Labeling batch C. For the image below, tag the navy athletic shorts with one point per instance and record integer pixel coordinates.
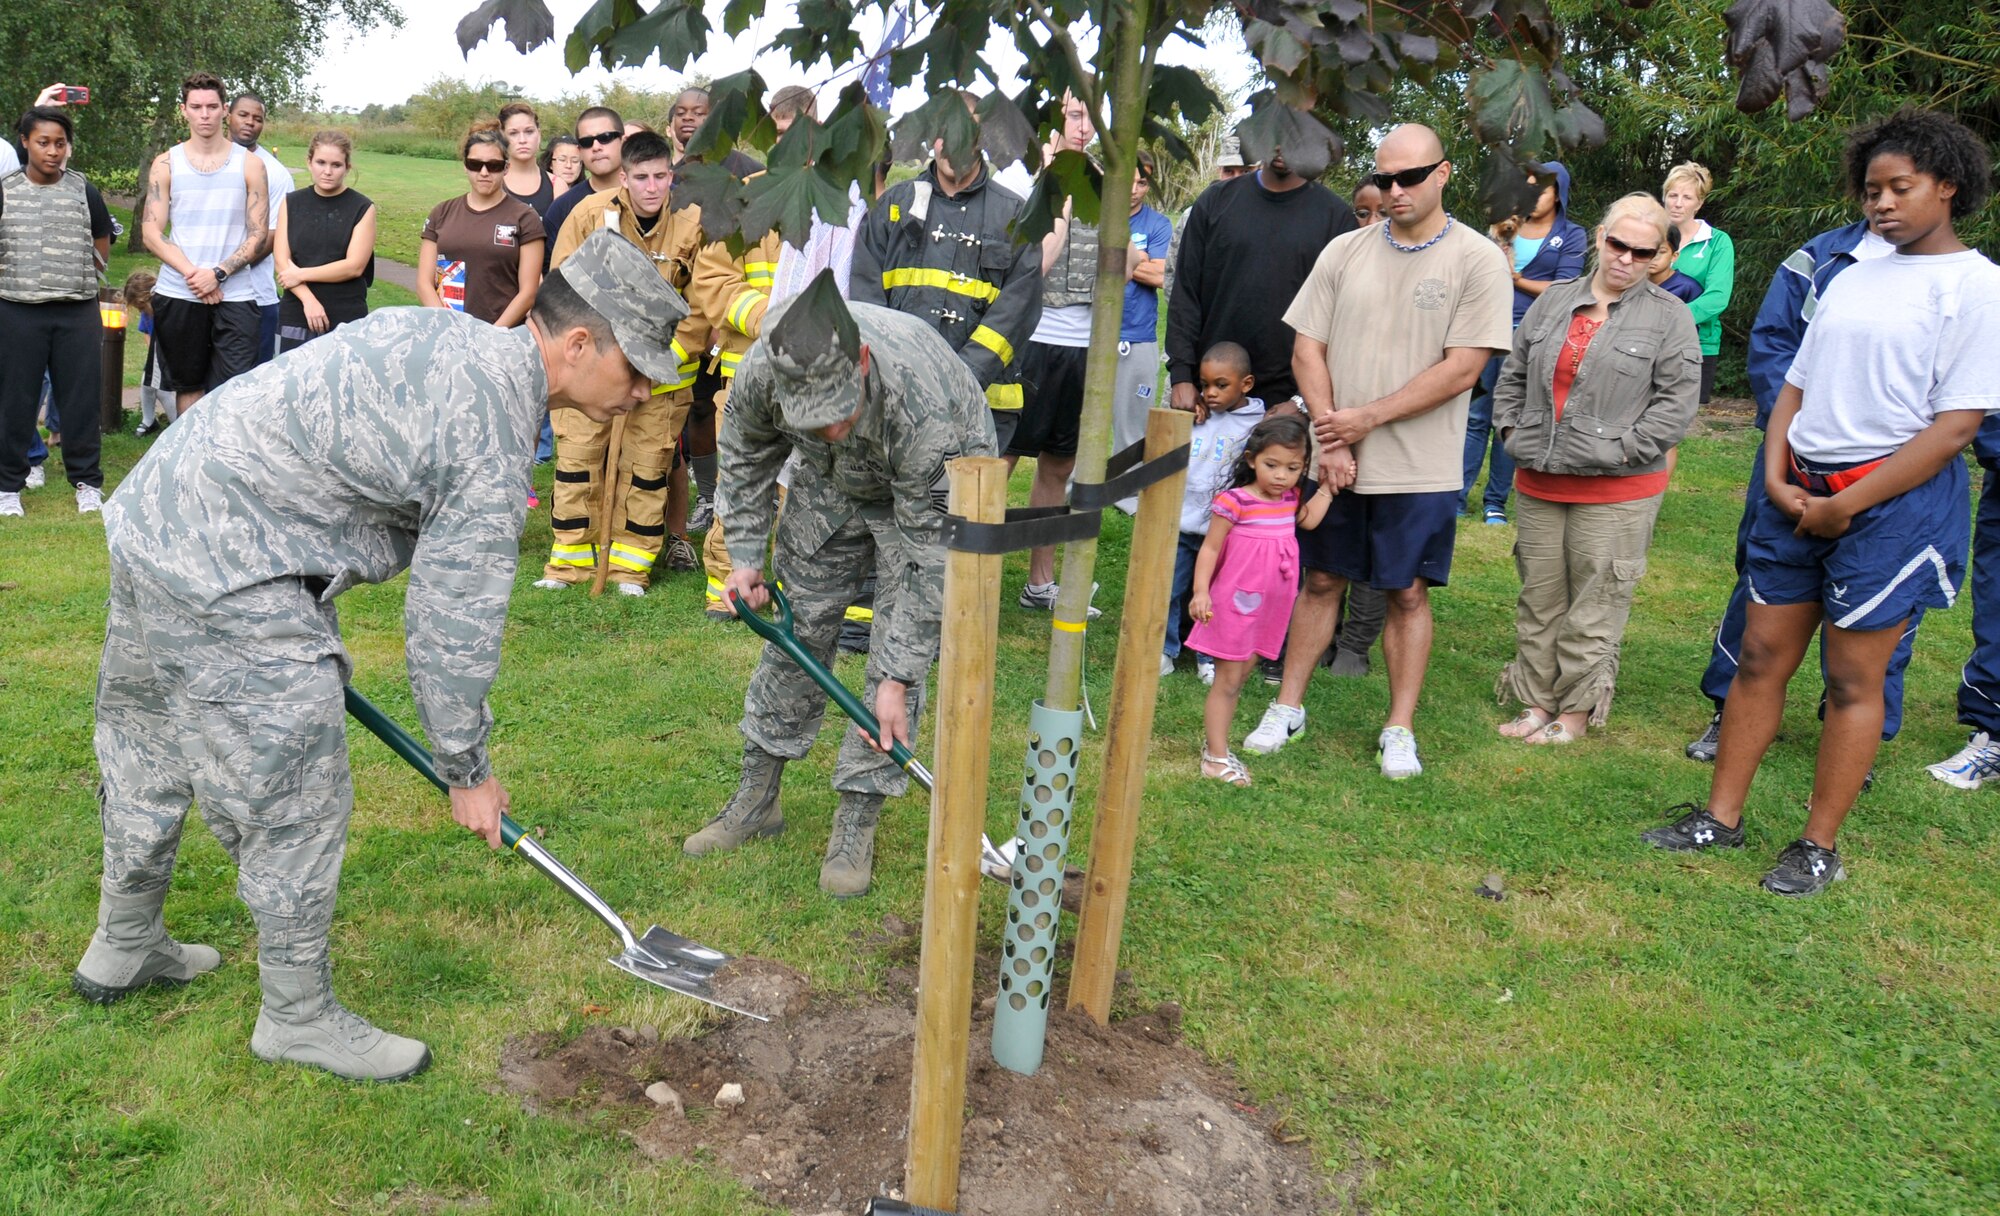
(1387, 541)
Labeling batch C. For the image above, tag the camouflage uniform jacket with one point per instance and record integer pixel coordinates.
(920, 409)
(401, 441)
(953, 263)
(672, 244)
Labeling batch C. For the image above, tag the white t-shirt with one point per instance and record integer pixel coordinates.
(264, 274)
(8, 160)
(1895, 342)
(1065, 326)
(1872, 246)
(1213, 448)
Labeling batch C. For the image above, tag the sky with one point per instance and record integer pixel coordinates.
(387, 65)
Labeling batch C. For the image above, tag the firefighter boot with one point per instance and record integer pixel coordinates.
(850, 850)
(751, 812)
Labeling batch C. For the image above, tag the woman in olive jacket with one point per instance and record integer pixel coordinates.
(1600, 386)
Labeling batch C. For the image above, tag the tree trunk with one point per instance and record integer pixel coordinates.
(1127, 91)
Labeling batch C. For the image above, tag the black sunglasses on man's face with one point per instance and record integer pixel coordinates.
(602, 137)
(1408, 179)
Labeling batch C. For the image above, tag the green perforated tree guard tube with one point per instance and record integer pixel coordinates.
(1028, 955)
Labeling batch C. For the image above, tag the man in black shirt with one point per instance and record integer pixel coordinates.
(600, 141)
(1248, 244)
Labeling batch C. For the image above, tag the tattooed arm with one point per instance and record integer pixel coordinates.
(256, 217)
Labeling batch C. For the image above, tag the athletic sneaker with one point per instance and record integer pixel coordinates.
(89, 500)
(1204, 667)
(1978, 761)
(551, 584)
(632, 589)
(1273, 671)
(679, 554)
(1703, 749)
(1166, 665)
(701, 514)
(1043, 597)
(1694, 832)
(10, 504)
(1398, 753)
(37, 478)
(534, 500)
(1280, 725)
(1804, 869)
(1495, 517)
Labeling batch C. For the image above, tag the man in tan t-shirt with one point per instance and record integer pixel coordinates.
(1416, 306)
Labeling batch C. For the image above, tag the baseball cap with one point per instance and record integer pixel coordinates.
(621, 284)
(1232, 153)
(815, 348)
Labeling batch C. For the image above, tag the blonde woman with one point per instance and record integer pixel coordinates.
(1598, 390)
(325, 246)
(1707, 256)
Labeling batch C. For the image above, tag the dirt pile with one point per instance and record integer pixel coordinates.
(1120, 1121)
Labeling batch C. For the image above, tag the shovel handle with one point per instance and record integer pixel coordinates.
(400, 741)
(779, 633)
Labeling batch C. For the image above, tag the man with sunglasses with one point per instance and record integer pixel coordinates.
(1416, 307)
(600, 140)
(638, 209)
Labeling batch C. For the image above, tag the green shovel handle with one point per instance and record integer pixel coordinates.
(385, 728)
(779, 633)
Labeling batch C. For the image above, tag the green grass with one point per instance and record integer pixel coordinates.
(1628, 1032)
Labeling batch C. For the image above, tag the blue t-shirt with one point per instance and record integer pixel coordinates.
(1525, 249)
(1152, 233)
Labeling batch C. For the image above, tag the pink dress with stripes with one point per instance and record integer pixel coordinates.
(1257, 580)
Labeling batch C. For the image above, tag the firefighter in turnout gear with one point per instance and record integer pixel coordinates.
(672, 239)
(939, 248)
(874, 408)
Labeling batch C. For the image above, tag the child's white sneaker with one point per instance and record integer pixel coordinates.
(1204, 667)
(1399, 753)
(89, 500)
(37, 478)
(10, 504)
(1280, 725)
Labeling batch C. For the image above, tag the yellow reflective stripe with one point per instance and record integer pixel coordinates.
(730, 362)
(680, 352)
(715, 589)
(1003, 397)
(738, 314)
(922, 276)
(895, 213)
(992, 340)
(759, 274)
(1069, 626)
(572, 555)
(860, 615)
(630, 558)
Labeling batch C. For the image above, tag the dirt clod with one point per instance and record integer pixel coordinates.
(760, 986)
(1120, 1121)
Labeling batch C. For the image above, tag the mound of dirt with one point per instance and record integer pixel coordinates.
(1120, 1121)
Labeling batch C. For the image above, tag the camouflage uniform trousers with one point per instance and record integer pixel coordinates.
(185, 713)
(783, 709)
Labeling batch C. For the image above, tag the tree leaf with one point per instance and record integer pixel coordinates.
(1005, 134)
(1080, 181)
(529, 24)
(1276, 48)
(1511, 104)
(1183, 87)
(1782, 46)
(734, 108)
(717, 191)
(1419, 47)
(676, 30)
(1503, 186)
(598, 25)
(785, 199)
(1308, 144)
(944, 117)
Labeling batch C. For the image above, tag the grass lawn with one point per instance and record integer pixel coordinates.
(1627, 1032)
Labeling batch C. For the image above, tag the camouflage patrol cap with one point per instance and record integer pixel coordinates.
(621, 284)
(814, 349)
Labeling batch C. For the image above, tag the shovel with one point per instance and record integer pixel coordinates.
(658, 957)
(995, 863)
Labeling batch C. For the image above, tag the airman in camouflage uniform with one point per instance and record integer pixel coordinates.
(874, 403)
(400, 442)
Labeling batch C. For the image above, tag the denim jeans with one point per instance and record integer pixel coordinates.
(1190, 548)
(545, 447)
(1480, 433)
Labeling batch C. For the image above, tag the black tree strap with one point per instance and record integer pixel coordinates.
(1125, 476)
(1024, 528)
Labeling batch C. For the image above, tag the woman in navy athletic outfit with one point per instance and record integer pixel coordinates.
(1863, 520)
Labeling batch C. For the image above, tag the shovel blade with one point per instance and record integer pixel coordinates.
(698, 983)
(670, 949)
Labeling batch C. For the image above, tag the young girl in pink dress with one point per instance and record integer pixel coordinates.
(1248, 573)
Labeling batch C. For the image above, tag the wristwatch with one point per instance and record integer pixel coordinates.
(221, 274)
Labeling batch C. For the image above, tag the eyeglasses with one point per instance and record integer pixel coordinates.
(602, 139)
(1407, 179)
(484, 166)
(1640, 253)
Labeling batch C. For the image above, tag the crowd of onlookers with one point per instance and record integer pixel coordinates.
(1354, 366)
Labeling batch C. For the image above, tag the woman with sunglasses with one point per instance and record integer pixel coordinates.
(482, 251)
(1598, 390)
(1707, 256)
(1863, 518)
